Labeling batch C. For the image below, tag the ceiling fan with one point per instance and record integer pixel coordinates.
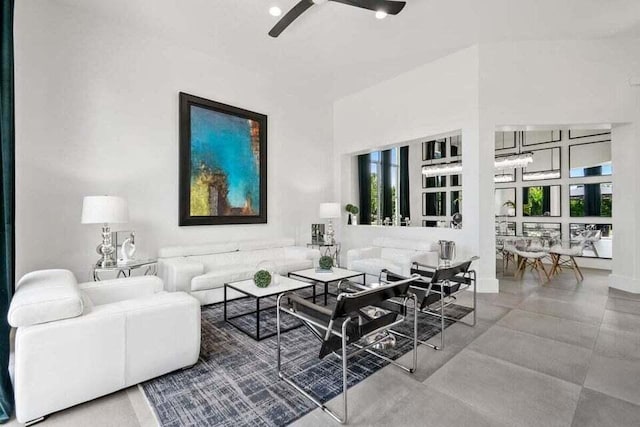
(384, 6)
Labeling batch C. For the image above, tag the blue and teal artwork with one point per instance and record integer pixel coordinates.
(224, 150)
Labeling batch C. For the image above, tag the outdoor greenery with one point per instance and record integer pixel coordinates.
(533, 207)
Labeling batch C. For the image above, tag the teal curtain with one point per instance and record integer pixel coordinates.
(7, 144)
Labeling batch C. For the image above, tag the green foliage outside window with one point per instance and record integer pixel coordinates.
(533, 207)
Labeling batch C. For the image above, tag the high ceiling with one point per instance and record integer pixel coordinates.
(341, 49)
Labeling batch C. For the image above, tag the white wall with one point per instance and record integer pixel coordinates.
(576, 83)
(438, 98)
(97, 113)
(525, 83)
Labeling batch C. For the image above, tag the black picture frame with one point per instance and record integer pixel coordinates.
(598, 132)
(515, 141)
(515, 200)
(523, 142)
(585, 143)
(184, 168)
(559, 170)
(525, 201)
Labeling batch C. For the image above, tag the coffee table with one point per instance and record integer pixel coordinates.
(325, 278)
(249, 288)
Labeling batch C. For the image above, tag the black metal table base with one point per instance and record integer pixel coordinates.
(257, 336)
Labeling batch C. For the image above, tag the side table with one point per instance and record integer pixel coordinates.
(124, 269)
(328, 249)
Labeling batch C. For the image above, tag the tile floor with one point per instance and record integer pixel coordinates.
(562, 354)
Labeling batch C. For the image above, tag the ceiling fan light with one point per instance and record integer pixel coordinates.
(275, 11)
(381, 14)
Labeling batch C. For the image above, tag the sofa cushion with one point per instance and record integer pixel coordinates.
(374, 266)
(251, 245)
(220, 276)
(45, 296)
(416, 245)
(209, 248)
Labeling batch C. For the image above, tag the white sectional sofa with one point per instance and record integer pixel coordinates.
(202, 270)
(395, 255)
(76, 342)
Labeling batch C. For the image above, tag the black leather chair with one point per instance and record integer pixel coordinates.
(349, 325)
(436, 290)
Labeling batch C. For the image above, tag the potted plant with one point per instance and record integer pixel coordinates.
(325, 263)
(353, 212)
(510, 208)
(262, 278)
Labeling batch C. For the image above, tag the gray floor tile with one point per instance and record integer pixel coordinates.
(621, 321)
(457, 337)
(598, 410)
(618, 344)
(567, 281)
(588, 298)
(624, 305)
(114, 410)
(615, 377)
(514, 395)
(561, 360)
(578, 311)
(556, 328)
(370, 399)
(502, 299)
(439, 409)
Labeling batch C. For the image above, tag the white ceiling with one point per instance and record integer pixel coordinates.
(340, 49)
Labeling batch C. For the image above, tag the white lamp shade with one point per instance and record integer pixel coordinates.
(329, 210)
(104, 210)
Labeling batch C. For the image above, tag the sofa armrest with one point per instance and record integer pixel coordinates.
(177, 274)
(108, 291)
(362, 253)
(301, 252)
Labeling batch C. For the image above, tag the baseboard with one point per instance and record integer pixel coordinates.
(623, 283)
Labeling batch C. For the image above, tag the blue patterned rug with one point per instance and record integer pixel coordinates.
(235, 382)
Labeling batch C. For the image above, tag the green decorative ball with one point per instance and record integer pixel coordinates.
(262, 278)
(326, 262)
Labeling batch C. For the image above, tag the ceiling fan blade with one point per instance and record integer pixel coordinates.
(291, 16)
(391, 7)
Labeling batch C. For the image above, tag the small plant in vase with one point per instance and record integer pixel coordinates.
(510, 208)
(353, 212)
(325, 263)
(262, 278)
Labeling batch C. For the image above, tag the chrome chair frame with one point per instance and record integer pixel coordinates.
(324, 332)
(446, 298)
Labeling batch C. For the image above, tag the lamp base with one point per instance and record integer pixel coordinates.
(106, 249)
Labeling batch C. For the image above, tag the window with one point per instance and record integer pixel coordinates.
(384, 165)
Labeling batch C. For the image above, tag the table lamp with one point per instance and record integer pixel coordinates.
(330, 211)
(105, 210)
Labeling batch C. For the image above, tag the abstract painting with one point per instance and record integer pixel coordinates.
(223, 163)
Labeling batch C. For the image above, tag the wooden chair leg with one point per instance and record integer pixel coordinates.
(522, 266)
(577, 270)
(537, 265)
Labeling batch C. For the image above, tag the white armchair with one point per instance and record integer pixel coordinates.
(76, 342)
(395, 255)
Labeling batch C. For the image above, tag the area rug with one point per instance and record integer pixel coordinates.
(235, 382)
